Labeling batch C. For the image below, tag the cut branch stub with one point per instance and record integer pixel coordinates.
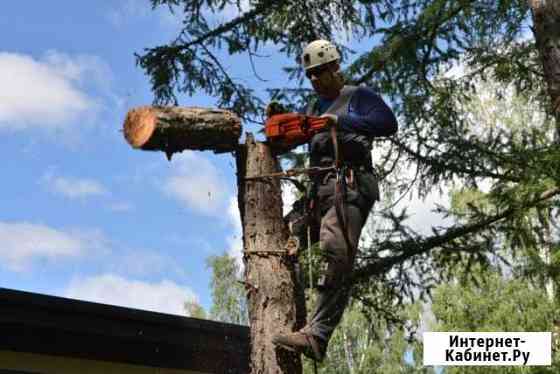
(174, 129)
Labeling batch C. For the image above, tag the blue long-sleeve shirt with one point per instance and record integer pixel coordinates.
(367, 114)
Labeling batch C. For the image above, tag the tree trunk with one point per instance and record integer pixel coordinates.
(546, 22)
(546, 26)
(269, 272)
(174, 129)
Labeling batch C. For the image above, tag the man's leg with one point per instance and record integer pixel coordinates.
(332, 294)
(312, 340)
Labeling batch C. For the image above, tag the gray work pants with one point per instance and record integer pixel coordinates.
(333, 295)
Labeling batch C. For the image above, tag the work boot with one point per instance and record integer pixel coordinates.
(300, 342)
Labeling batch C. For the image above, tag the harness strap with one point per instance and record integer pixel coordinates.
(340, 193)
(337, 155)
(341, 209)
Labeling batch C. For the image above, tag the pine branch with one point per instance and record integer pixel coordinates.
(452, 167)
(386, 52)
(414, 247)
(262, 8)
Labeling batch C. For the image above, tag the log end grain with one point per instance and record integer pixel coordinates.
(139, 125)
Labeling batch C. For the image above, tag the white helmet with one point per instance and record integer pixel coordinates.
(318, 53)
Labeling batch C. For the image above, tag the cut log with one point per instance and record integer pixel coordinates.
(174, 129)
(274, 301)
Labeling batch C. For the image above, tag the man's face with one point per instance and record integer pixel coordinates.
(324, 79)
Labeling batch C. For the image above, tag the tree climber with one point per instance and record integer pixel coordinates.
(341, 199)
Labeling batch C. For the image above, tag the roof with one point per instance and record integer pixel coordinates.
(36, 323)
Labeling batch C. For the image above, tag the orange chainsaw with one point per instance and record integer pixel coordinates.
(288, 130)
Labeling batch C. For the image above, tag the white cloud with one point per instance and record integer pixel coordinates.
(456, 71)
(235, 240)
(422, 218)
(73, 188)
(420, 210)
(289, 196)
(197, 184)
(80, 68)
(24, 243)
(48, 93)
(139, 262)
(164, 296)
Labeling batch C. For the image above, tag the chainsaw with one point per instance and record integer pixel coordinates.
(288, 130)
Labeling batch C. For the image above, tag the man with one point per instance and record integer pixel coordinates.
(358, 115)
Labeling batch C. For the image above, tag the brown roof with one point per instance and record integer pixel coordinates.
(52, 325)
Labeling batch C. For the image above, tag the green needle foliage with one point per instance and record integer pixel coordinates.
(500, 304)
(362, 345)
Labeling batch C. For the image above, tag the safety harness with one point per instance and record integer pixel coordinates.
(344, 174)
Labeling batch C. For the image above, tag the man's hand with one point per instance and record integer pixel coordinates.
(274, 107)
(332, 119)
(292, 246)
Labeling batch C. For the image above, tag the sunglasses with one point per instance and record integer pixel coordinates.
(317, 71)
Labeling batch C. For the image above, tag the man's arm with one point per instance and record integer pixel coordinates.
(368, 114)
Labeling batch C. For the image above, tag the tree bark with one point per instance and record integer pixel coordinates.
(174, 129)
(546, 22)
(546, 27)
(270, 277)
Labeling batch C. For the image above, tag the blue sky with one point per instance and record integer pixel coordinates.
(82, 214)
